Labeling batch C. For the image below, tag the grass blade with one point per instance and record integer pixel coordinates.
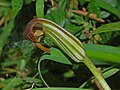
(40, 8)
(107, 28)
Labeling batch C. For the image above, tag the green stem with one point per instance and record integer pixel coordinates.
(95, 72)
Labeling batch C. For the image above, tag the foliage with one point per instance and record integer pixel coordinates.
(19, 58)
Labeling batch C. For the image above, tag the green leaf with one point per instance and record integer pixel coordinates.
(99, 62)
(82, 2)
(3, 10)
(27, 48)
(21, 64)
(72, 28)
(113, 3)
(104, 14)
(57, 16)
(109, 8)
(5, 34)
(102, 52)
(40, 8)
(4, 3)
(118, 5)
(9, 63)
(105, 37)
(110, 72)
(60, 89)
(94, 8)
(107, 28)
(62, 4)
(12, 82)
(16, 6)
(56, 55)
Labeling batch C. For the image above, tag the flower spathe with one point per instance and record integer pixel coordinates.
(61, 37)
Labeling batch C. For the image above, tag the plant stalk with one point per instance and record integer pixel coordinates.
(95, 72)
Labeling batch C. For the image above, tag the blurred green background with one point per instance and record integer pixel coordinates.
(19, 57)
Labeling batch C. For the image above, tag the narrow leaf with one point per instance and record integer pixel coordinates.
(40, 8)
(16, 6)
(12, 83)
(102, 52)
(5, 34)
(107, 28)
(106, 73)
(109, 8)
(110, 72)
(62, 4)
